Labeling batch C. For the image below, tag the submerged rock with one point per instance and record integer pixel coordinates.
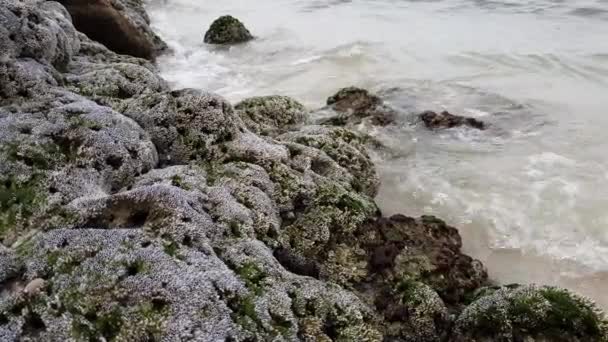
(444, 119)
(227, 30)
(102, 22)
(355, 105)
(271, 115)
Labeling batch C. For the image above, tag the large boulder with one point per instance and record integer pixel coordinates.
(102, 22)
(227, 30)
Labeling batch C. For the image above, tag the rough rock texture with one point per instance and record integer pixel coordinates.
(185, 125)
(130, 212)
(356, 105)
(444, 119)
(530, 313)
(110, 23)
(227, 30)
(271, 115)
(416, 270)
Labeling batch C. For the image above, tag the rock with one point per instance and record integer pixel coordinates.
(416, 273)
(356, 105)
(414, 312)
(102, 22)
(227, 30)
(444, 119)
(111, 84)
(426, 250)
(58, 147)
(34, 287)
(185, 125)
(346, 148)
(271, 115)
(42, 33)
(530, 313)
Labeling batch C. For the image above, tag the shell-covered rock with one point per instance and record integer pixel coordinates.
(531, 313)
(227, 30)
(271, 115)
(185, 125)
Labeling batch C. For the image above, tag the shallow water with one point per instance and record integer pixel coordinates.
(530, 194)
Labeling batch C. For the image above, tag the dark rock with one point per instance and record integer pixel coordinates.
(416, 273)
(355, 105)
(426, 249)
(296, 263)
(444, 119)
(100, 21)
(227, 30)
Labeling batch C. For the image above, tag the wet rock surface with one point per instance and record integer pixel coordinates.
(227, 30)
(443, 120)
(132, 212)
(271, 115)
(123, 29)
(356, 105)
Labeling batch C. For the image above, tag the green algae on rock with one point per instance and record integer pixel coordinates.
(227, 30)
(537, 313)
(271, 115)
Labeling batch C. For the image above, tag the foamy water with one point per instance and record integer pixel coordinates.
(530, 194)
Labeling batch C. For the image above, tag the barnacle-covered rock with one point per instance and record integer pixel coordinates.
(40, 31)
(185, 125)
(532, 313)
(59, 147)
(271, 115)
(346, 148)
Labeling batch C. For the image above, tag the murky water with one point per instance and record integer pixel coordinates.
(530, 194)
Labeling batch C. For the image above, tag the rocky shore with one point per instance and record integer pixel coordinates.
(130, 211)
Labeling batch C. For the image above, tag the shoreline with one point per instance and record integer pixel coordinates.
(134, 210)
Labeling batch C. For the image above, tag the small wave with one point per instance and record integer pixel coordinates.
(590, 12)
(550, 159)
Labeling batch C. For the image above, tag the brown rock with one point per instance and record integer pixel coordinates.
(355, 105)
(426, 249)
(444, 119)
(100, 21)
